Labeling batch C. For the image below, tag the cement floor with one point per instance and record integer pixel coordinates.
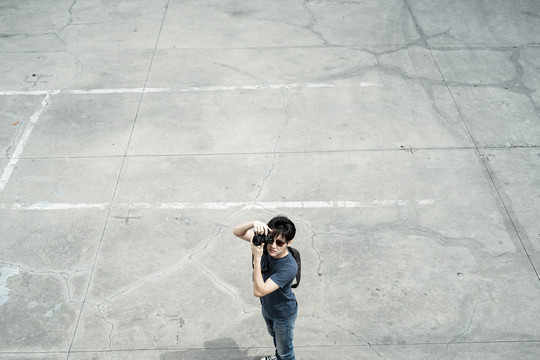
(402, 137)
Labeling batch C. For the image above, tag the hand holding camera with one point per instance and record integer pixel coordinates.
(260, 228)
(260, 239)
(261, 236)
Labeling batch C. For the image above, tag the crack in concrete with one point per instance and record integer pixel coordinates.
(227, 287)
(158, 274)
(180, 324)
(471, 319)
(347, 74)
(242, 72)
(276, 141)
(98, 307)
(362, 339)
(21, 122)
(56, 33)
(515, 84)
(430, 233)
(319, 257)
(238, 319)
(313, 20)
(153, 276)
(416, 23)
(309, 27)
(222, 284)
(36, 78)
(65, 275)
(319, 268)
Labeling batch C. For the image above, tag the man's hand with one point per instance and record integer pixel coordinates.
(246, 230)
(257, 251)
(260, 228)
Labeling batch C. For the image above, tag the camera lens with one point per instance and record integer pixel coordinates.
(257, 239)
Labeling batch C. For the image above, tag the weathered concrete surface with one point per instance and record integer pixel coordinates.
(402, 136)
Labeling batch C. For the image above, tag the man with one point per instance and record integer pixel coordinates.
(274, 269)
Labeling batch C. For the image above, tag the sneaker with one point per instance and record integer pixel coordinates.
(269, 357)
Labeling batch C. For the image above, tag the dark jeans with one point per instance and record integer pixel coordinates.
(282, 332)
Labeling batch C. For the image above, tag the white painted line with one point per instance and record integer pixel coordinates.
(8, 170)
(188, 89)
(44, 205)
(368, 84)
(22, 92)
(158, 90)
(286, 204)
(104, 91)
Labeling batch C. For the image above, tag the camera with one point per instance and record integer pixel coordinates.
(259, 239)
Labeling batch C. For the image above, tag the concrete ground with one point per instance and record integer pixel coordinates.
(402, 137)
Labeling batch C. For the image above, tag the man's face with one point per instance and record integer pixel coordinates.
(276, 251)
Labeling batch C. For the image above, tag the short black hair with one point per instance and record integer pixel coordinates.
(283, 226)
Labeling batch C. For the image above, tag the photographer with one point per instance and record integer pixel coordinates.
(274, 269)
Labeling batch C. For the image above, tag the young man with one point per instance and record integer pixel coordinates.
(274, 270)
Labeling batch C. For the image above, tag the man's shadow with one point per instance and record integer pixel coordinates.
(225, 348)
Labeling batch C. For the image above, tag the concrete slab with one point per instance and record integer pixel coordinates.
(401, 136)
(193, 110)
(60, 180)
(130, 25)
(47, 259)
(87, 124)
(511, 117)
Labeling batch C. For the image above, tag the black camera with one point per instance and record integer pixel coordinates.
(259, 239)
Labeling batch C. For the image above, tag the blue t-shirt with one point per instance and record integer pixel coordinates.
(280, 304)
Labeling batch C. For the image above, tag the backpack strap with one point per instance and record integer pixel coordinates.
(296, 254)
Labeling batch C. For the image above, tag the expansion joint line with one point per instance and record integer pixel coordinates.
(115, 190)
(471, 136)
(490, 175)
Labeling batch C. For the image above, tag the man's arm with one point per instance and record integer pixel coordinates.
(246, 230)
(260, 288)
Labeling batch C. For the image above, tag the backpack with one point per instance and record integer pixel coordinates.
(296, 255)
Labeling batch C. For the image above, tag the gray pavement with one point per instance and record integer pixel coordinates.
(402, 137)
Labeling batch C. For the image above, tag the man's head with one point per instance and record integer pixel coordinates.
(283, 231)
(282, 227)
